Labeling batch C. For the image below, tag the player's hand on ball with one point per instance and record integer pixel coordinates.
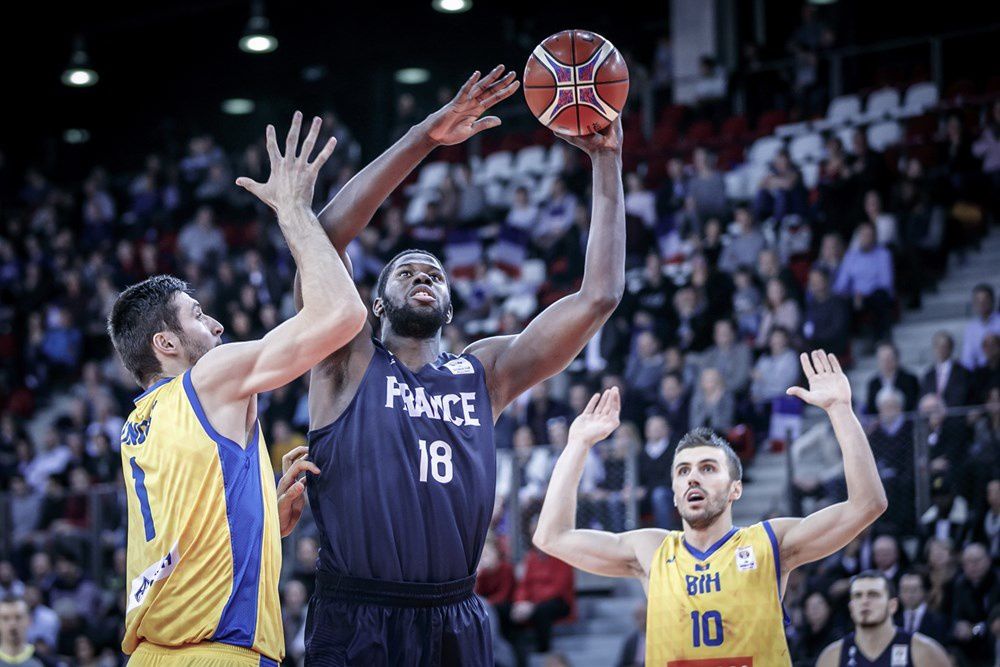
(608, 140)
(598, 419)
(292, 491)
(460, 118)
(293, 176)
(828, 385)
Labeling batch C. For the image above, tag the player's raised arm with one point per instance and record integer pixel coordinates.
(600, 552)
(824, 532)
(355, 204)
(332, 312)
(551, 341)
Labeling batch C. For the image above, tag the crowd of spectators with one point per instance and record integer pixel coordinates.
(721, 295)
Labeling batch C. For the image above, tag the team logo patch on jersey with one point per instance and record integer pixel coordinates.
(460, 367)
(900, 655)
(745, 559)
(161, 569)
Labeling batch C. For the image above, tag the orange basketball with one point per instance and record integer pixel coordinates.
(576, 82)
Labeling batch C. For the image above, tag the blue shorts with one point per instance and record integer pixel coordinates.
(364, 622)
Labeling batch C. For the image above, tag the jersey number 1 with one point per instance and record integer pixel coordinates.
(139, 475)
(440, 461)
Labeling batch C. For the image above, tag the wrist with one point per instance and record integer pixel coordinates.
(611, 156)
(421, 133)
(840, 408)
(291, 208)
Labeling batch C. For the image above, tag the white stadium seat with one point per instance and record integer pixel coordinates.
(736, 184)
(844, 109)
(919, 98)
(846, 136)
(498, 166)
(431, 176)
(530, 161)
(882, 103)
(884, 134)
(791, 129)
(557, 158)
(805, 148)
(764, 149)
(810, 174)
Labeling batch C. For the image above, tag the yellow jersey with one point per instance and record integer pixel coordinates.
(717, 608)
(204, 543)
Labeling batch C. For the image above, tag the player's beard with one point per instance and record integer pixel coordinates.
(195, 349)
(874, 619)
(705, 517)
(412, 322)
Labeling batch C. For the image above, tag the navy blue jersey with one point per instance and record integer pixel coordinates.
(899, 653)
(408, 473)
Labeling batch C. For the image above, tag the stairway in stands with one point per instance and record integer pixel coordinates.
(947, 309)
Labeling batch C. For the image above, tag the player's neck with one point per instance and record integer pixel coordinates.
(413, 352)
(703, 538)
(872, 641)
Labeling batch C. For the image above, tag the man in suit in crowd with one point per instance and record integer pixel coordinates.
(891, 375)
(914, 615)
(947, 378)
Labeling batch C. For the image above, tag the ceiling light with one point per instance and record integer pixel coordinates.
(412, 75)
(452, 6)
(238, 106)
(78, 74)
(257, 37)
(76, 136)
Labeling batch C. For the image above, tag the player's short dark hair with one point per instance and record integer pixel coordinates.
(876, 574)
(138, 314)
(383, 276)
(706, 437)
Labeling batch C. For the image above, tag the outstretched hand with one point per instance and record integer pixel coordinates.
(828, 385)
(291, 491)
(608, 140)
(598, 419)
(292, 177)
(460, 119)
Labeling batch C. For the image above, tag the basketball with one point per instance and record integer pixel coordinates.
(576, 82)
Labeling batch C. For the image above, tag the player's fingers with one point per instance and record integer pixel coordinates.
(292, 140)
(486, 123)
(819, 361)
(325, 154)
(248, 184)
(616, 401)
(467, 86)
(592, 404)
(501, 94)
(301, 466)
(307, 145)
(834, 363)
(272, 144)
(292, 456)
(807, 366)
(487, 80)
(797, 392)
(500, 83)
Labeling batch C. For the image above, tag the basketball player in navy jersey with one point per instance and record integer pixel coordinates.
(403, 432)
(876, 641)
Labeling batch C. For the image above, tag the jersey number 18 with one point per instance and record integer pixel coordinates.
(440, 461)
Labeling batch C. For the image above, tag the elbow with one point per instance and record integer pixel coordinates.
(344, 321)
(542, 542)
(875, 506)
(605, 300)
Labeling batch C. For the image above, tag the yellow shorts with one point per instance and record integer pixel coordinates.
(206, 654)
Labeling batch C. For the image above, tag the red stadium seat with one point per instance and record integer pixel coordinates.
(734, 128)
(770, 120)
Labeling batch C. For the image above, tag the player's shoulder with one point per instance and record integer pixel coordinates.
(830, 656)
(927, 652)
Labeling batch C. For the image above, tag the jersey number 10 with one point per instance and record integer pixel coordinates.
(706, 628)
(440, 461)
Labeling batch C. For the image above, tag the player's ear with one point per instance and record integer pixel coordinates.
(893, 606)
(166, 342)
(449, 314)
(737, 490)
(378, 308)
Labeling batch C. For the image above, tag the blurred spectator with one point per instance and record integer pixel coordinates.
(556, 215)
(987, 528)
(817, 632)
(886, 227)
(977, 591)
(985, 322)
(692, 321)
(826, 322)
(780, 310)
(747, 303)
(495, 579)
(15, 649)
(45, 624)
(544, 596)
(887, 558)
(987, 377)
(866, 276)
(780, 193)
(674, 402)
(671, 194)
(200, 240)
(707, 187)
(294, 599)
(744, 245)
(645, 366)
(633, 653)
(710, 87)
(655, 465)
(283, 440)
(987, 148)
(713, 405)
(940, 567)
(947, 378)
(914, 614)
(890, 374)
(775, 371)
(892, 445)
(639, 201)
(731, 357)
(948, 516)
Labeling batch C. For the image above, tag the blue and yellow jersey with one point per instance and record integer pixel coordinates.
(204, 544)
(717, 608)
